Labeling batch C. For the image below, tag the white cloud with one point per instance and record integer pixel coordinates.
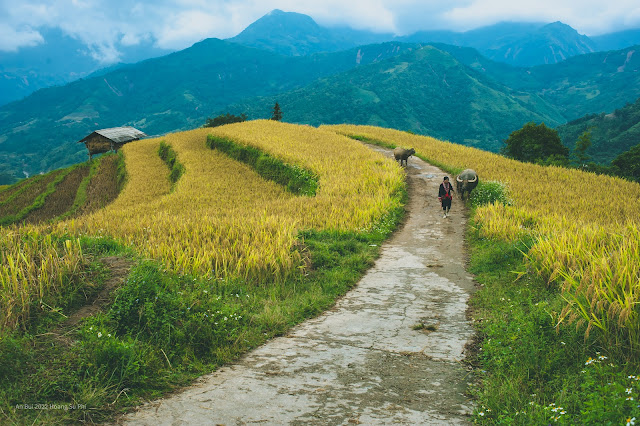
(105, 24)
(188, 27)
(587, 16)
(11, 39)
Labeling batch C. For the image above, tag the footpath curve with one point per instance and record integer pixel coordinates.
(362, 362)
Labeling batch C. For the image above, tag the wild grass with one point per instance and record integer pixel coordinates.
(35, 267)
(163, 330)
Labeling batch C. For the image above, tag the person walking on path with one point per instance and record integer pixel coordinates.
(444, 195)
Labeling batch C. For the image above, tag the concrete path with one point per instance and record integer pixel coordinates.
(362, 362)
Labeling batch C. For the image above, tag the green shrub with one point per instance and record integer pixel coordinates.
(15, 355)
(489, 192)
(169, 156)
(295, 179)
(173, 312)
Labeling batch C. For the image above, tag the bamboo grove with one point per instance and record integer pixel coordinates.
(585, 230)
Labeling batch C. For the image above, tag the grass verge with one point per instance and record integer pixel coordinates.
(529, 371)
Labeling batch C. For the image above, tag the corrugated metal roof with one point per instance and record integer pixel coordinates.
(119, 134)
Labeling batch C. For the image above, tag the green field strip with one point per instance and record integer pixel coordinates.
(170, 157)
(9, 194)
(81, 193)
(62, 198)
(51, 181)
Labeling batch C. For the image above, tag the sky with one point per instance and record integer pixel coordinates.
(103, 25)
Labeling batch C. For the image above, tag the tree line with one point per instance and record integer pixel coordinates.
(227, 118)
(542, 145)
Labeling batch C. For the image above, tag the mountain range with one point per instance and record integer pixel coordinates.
(62, 58)
(59, 60)
(523, 44)
(610, 133)
(447, 91)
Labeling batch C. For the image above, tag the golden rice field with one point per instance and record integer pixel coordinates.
(223, 219)
(587, 228)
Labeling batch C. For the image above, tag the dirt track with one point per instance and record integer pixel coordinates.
(361, 362)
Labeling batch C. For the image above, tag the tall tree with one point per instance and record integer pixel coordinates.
(536, 144)
(627, 164)
(277, 113)
(582, 145)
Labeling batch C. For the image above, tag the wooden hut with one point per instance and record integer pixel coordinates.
(112, 139)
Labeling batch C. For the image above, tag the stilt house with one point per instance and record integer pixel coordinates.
(112, 139)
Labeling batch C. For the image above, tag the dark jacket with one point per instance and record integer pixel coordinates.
(442, 191)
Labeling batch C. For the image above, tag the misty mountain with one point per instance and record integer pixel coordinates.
(518, 44)
(62, 59)
(176, 91)
(617, 40)
(59, 60)
(295, 34)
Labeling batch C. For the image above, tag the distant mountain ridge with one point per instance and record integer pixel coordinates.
(519, 44)
(611, 133)
(456, 94)
(62, 59)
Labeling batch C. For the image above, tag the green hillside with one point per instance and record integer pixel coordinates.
(581, 85)
(455, 93)
(611, 133)
(461, 96)
(426, 91)
(177, 91)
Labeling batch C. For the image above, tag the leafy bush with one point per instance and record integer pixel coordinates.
(173, 313)
(489, 192)
(223, 119)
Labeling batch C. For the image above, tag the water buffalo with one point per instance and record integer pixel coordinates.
(466, 181)
(403, 154)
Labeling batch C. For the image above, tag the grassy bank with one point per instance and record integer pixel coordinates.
(529, 370)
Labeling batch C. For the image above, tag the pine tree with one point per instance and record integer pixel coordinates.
(277, 113)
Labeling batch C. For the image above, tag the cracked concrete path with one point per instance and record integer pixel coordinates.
(361, 362)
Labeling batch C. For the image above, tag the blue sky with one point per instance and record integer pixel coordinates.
(176, 24)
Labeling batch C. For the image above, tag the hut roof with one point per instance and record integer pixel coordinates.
(118, 134)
